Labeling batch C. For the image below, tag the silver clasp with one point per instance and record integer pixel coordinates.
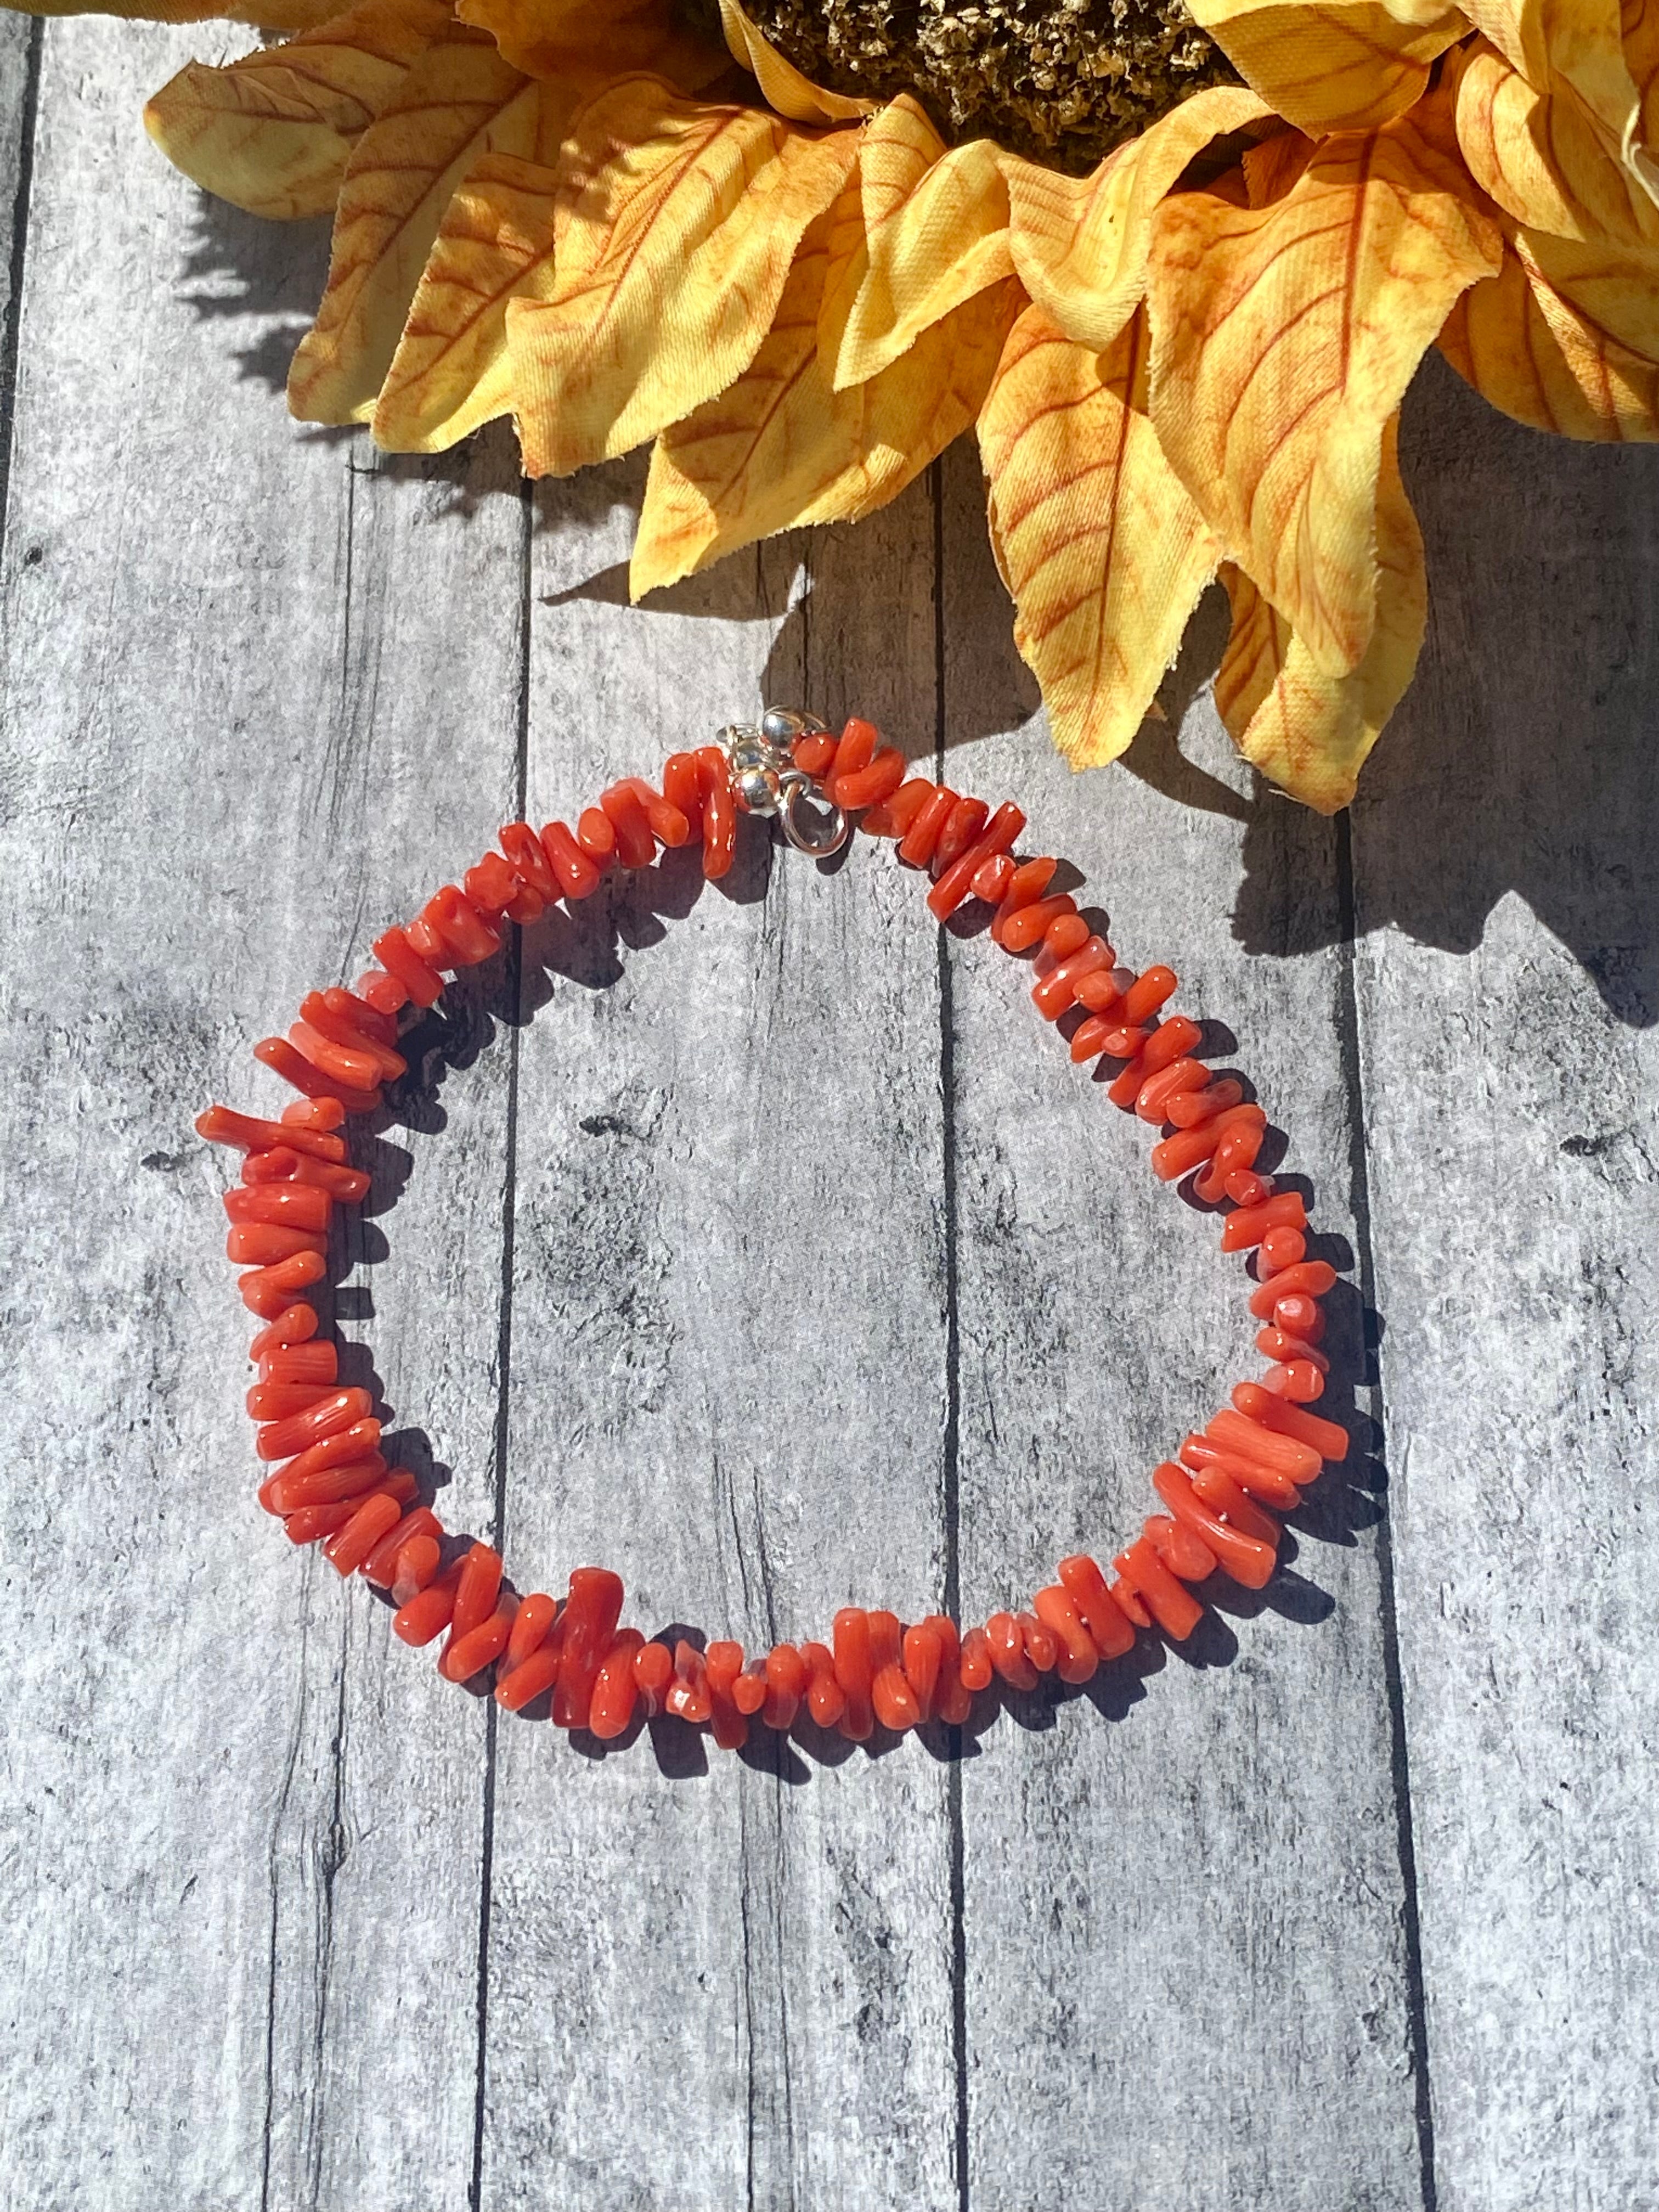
(767, 782)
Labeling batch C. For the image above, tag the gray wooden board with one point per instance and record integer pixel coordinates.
(1506, 869)
(738, 1237)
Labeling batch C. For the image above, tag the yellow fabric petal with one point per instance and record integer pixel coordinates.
(1613, 287)
(783, 447)
(1080, 244)
(1308, 731)
(268, 14)
(459, 101)
(272, 132)
(594, 41)
(780, 82)
(678, 223)
(937, 228)
(1542, 157)
(451, 372)
(1284, 338)
(1578, 46)
(1104, 552)
(1333, 64)
(1522, 347)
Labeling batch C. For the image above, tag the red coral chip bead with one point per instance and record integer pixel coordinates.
(596, 832)
(1026, 926)
(957, 881)
(280, 1205)
(353, 1479)
(1189, 1148)
(953, 1701)
(268, 1292)
(886, 1640)
(688, 1696)
(1151, 989)
(527, 858)
(893, 1700)
(963, 827)
(1298, 1314)
(295, 1324)
(850, 1632)
(1005, 1641)
(427, 1615)
(1285, 1210)
(1298, 1380)
(1029, 883)
(1112, 1631)
(381, 1564)
(923, 1654)
(1057, 991)
(917, 845)
(615, 1693)
(415, 1565)
(653, 1672)
(894, 816)
(1079, 1659)
(826, 1700)
(476, 1593)
(220, 1125)
(1251, 1439)
(992, 878)
(1100, 993)
(315, 1360)
(787, 1677)
(719, 812)
(1279, 1249)
(263, 1244)
(399, 957)
(1089, 1038)
(869, 786)
(382, 991)
(347, 1551)
(340, 1409)
(1155, 1092)
(748, 1692)
(307, 1522)
(278, 1054)
(975, 1664)
(1311, 1278)
(1041, 1647)
(636, 846)
(1249, 1559)
(275, 1401)
(464, 1656)
(492, 885)
(669, 824)
(572, 868)
(1144, 1575)
(1265, 1484)
(1312, 1431)
(538, 1673)
(682, 787)
(532, 1625)
(591, 1612)
(1246, 1188)
(1183, 1550)
(1285, 1350)
(722, 1664)
(1231, 1502)
(1193, 1108)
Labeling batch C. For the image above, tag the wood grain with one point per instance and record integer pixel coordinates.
(1138, 1973)
(730, 1984)
(229, 724)
(1506, 878)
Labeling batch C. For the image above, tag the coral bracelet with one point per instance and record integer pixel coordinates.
(329, 1481)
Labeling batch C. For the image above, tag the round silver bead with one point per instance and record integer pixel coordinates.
(758, 790)
(782, 726)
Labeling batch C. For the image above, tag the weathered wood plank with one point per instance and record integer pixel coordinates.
(1187, 1983)
(728, 1379)
(243, 1831)
(19, 63)
(1506, 878)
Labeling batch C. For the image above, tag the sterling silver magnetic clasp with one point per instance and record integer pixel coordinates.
(767, 782)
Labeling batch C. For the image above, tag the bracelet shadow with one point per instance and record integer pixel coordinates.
(586, 946)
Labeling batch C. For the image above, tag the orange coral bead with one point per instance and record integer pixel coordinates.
(719, 812)
(1178, 1154)
(653, 1675)
(1310, 1278)
(591, 1612)
(532, 1625)
(917, 845)
(416, 1564)
(826, 1699)
(347, 1550)
(994, 842)
(313, 1361)
(1155, 1092)
(893, 1700)
(688, 1698)
(1149, 991)
(1057, 990)
(381, 1564)
(869, 786)
(532, 1679)
(1251, 1439)
(1027, 925)
(400, 958)
(636, 846)
(856, 747)
(1311, 1431)
(295, 1324)
(682, 787)
(966, 819)
(787, 1680)
(1193, 1107)
(527, 858)
(894, 816)
(476, 1594)
(615, 1693)
(953, 1701)
(596, 832)
(285, 1205)
(573, 869)
(1005, 1642)
(1042, 1648)
(1111, 1630)
(427, 1615)
(1284, 1350)
(1142, 1574)
(722, 1664)
(853, 1670)
(923, 1654)
(464, 1656)
(339, 1410)
(1079, 1659)
(1286, 1210)
(1249, 1559)
(975, 1664)
(1264, 1483)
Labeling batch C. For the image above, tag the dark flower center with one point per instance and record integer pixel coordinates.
(1062, 81)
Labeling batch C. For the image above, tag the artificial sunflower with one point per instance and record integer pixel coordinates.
(1180, 287)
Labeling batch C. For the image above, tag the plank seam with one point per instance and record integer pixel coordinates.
(514, 987)
(11, 332)
(952, 1439)
(1393, 1676)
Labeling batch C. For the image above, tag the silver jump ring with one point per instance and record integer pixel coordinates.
(823, 838)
